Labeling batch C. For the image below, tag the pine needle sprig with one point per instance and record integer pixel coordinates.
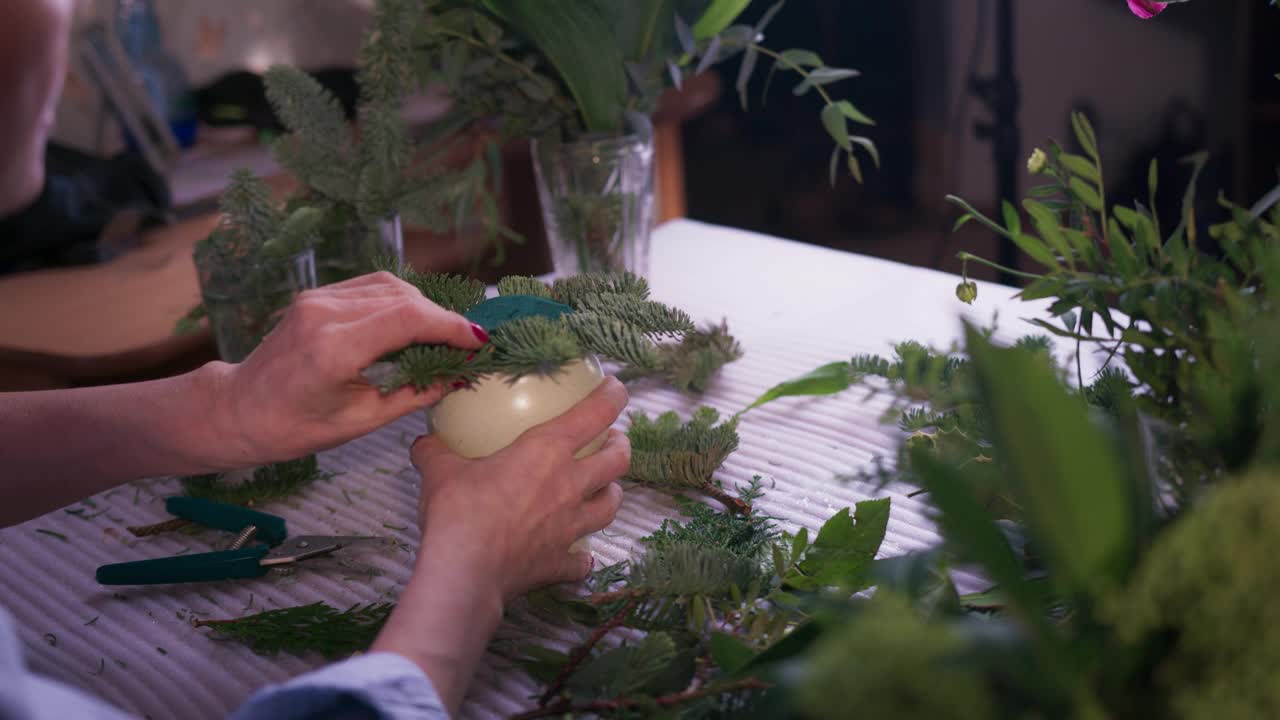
(535, 345)
(673, 457)
(451, 292)
(689, 365)
(613, 338)
(523, 285)
(649, 317)
(315, 628)
(268, 484)
(685, 568)
(575, 290)
(747, 536)
(425, 366)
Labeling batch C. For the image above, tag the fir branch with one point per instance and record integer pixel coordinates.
(575, 290)
(568, 708)
(317, 148)
(521, 285)
(249, 213)
(667, 455)
(690, 568)
(583, 651)
(748, 536)
(647, 316)
(451, 292)
(269, 483)
(534, 345)
(690, 364)
(316, 628)
(425, 366)
(613, 339)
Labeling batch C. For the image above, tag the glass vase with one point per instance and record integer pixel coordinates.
(244, 301)
(597, 202)
(358, 249)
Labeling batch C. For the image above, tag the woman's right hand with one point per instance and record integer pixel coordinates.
(514, 514)
(496, 527)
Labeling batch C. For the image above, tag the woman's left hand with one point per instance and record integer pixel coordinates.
(301, 390)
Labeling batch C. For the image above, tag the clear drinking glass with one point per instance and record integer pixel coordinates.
(359, 248)
(244, 301)
(597, 202)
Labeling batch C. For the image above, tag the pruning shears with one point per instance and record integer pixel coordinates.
(274, 547)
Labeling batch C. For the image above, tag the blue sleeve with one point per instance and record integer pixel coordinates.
(377, 686)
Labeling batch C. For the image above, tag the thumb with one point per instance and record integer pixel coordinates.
(430, 452)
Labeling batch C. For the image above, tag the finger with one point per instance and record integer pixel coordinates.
(582, 423)
(376, 290)
(572, 567)
(407, 322)
(382, 277)
(429, 453)
(606, 465)
(599, 510)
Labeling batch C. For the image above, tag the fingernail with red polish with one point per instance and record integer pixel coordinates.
(470, 357)
(459, 384)
(591, 567)
(479, 333)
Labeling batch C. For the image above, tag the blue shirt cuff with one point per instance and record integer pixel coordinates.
(381, 686)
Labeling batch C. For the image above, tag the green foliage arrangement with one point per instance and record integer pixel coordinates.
(539, 328)
(598, 67)
(239, 262)
(360, 179)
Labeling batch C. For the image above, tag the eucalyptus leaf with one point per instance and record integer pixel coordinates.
(826, 380)
(836, 126)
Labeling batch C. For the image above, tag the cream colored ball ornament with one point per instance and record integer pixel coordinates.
(481, 420)
(485, 418)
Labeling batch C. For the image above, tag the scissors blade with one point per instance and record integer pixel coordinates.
(302, 547)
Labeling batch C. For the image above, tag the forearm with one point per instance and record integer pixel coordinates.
(59, 446)
(445, 618)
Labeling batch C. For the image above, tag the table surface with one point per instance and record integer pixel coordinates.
(793, 307)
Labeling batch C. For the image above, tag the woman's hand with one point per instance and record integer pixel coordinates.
(496, 527)
(514, 514)
(301, 390)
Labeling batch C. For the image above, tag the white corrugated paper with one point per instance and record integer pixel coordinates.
(793, 307)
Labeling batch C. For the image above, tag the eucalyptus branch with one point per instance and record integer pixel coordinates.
(799, 69)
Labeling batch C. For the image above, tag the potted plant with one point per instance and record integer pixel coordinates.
(372, 178)
(581, 81)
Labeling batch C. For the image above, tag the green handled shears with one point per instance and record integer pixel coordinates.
(274, 548)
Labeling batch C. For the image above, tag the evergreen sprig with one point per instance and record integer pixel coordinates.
(269, 483)
(315, 628)
(611, 317)
(683, 457)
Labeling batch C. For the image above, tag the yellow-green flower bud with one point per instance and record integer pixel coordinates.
(1036, 163)
(967, 291)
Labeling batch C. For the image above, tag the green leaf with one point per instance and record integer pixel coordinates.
(718, 16)
(580, 44)
(962, 221)
(870, 147)
(801, 58)
(1085, 193)
(835, 164)
(799, 544)
(1011, 219)
(837, 126)
(823, 76)
(1035, 249)
(853, 113)
(1085, 134)
(1046, 222)
(1062, 468)
(842, 554)
(728, 652)
(768, 16)
(1081, 167)
(829, 379)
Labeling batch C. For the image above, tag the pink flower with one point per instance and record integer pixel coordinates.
(1146, 9)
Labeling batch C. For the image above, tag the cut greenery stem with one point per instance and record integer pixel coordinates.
(564, 104)
(966, 256)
